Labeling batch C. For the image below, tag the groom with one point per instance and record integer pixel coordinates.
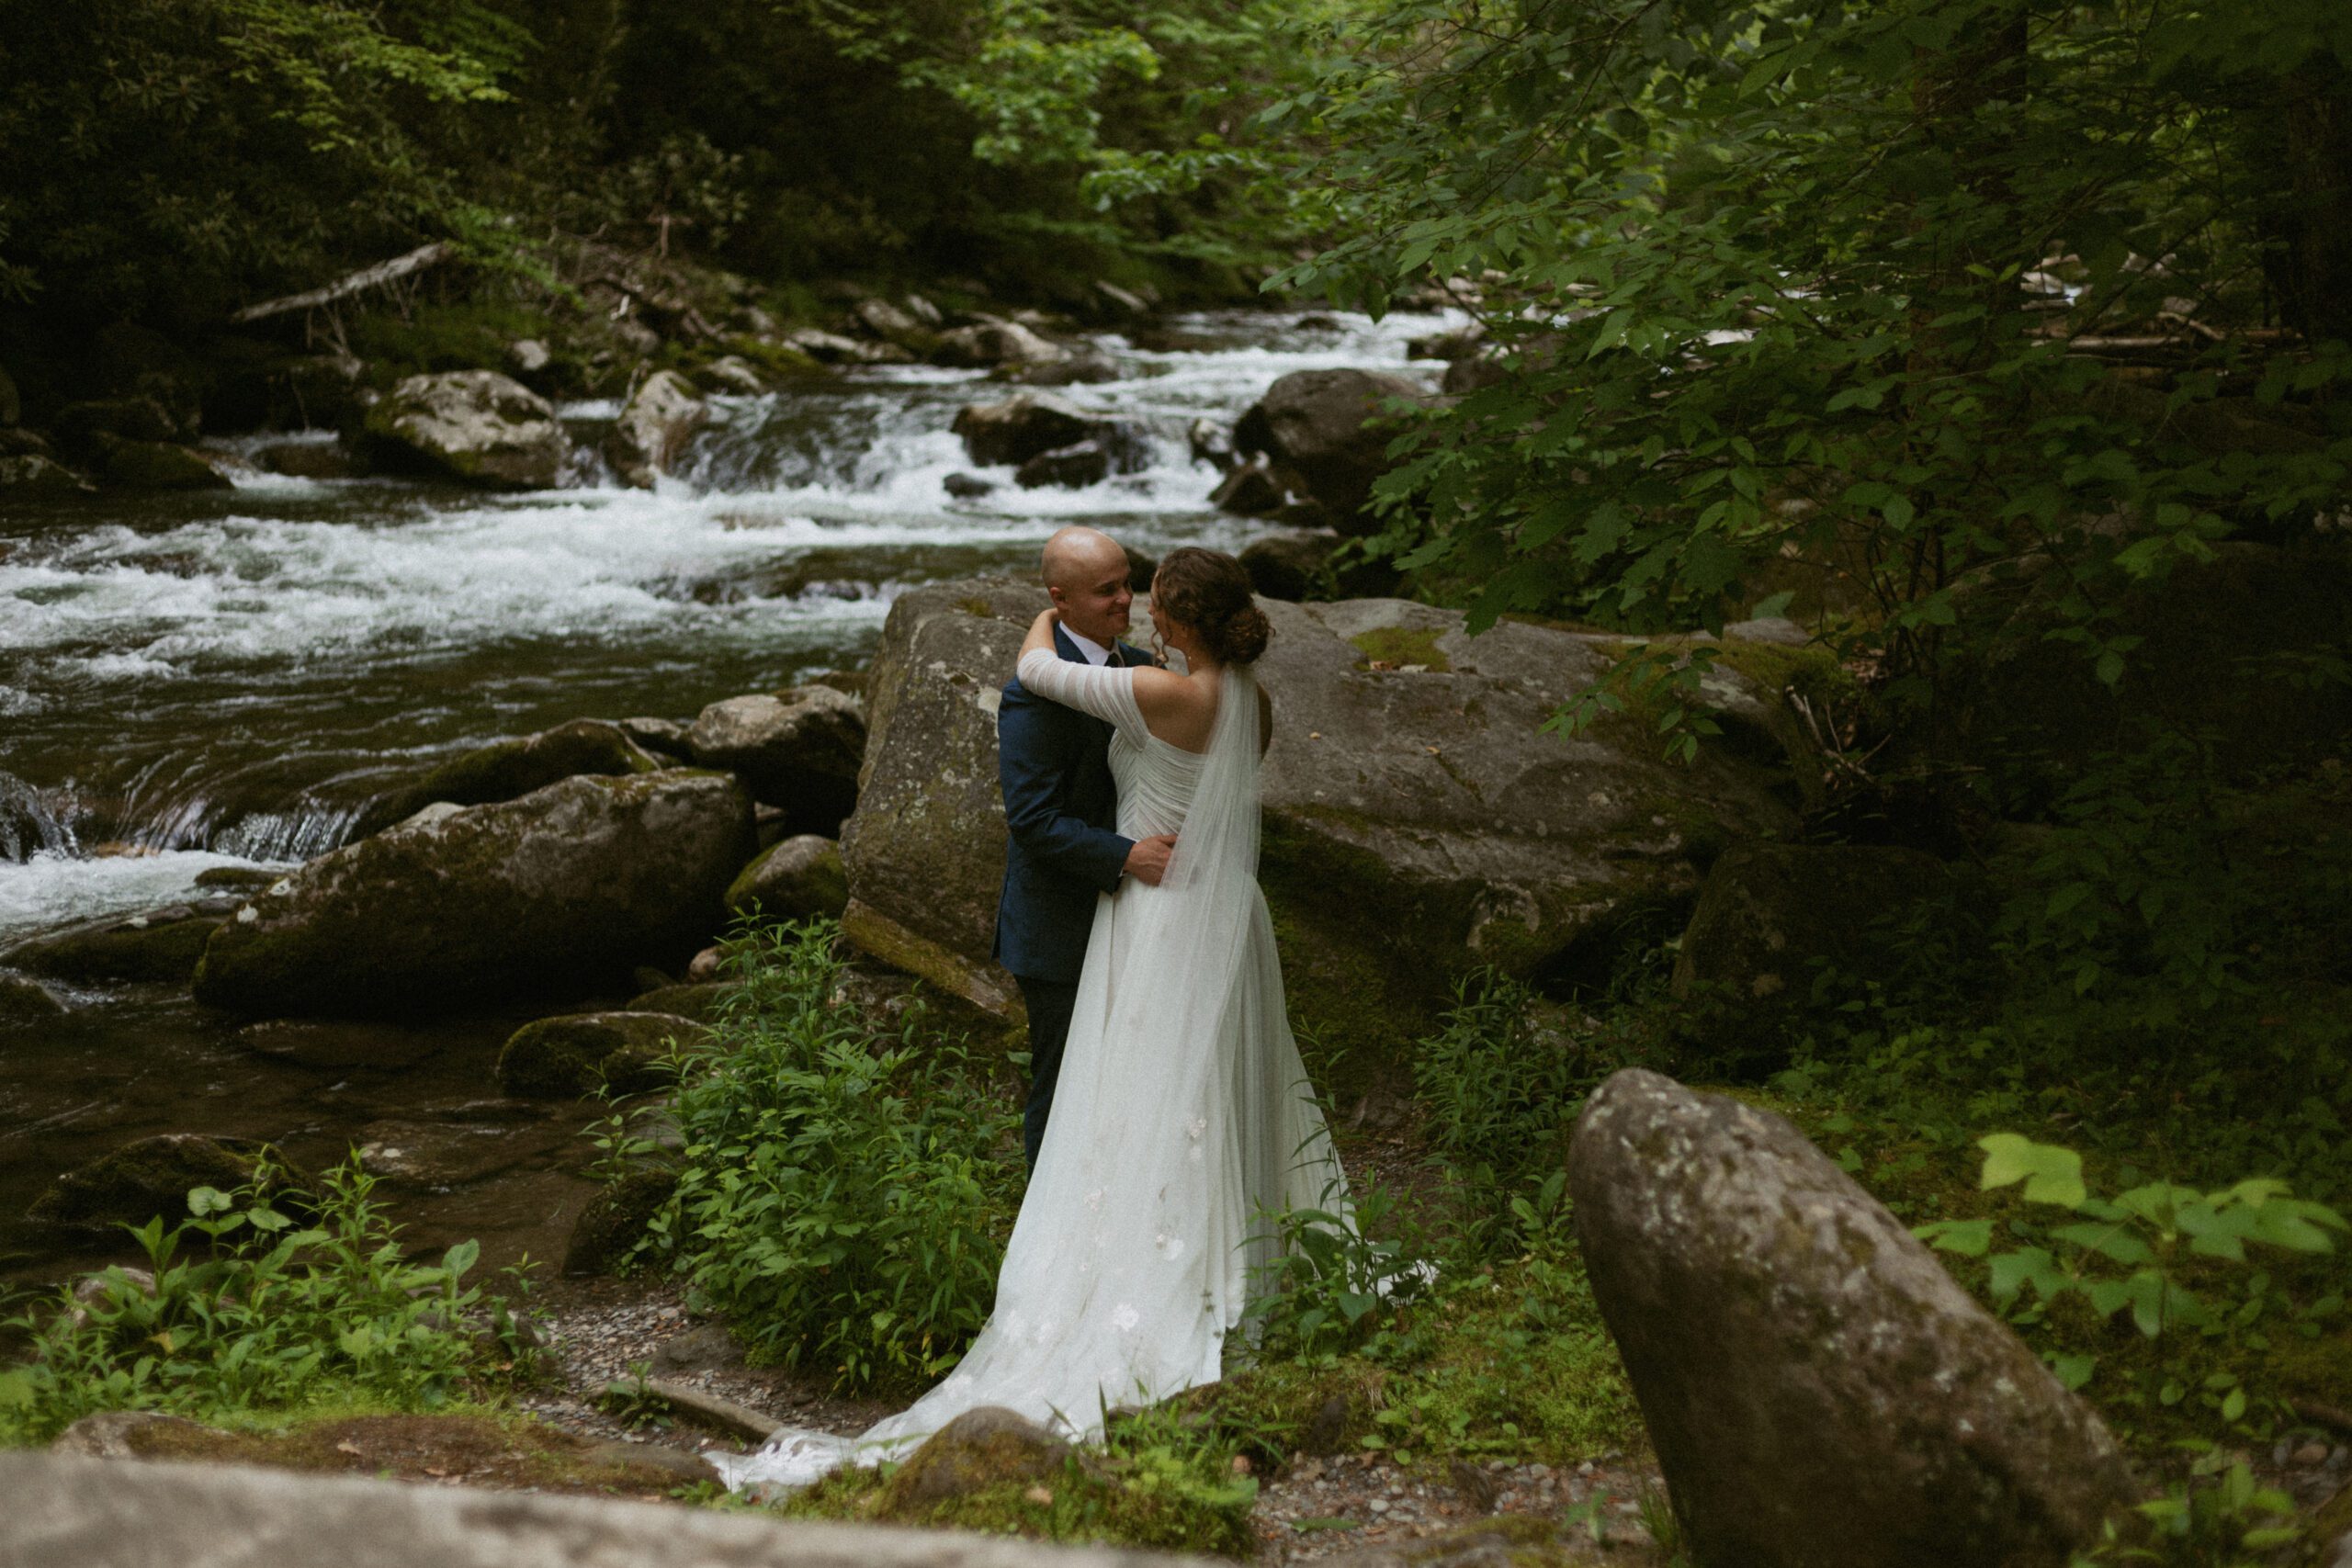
(1061, 807)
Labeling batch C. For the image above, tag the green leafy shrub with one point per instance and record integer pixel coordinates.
(2131, 1251)
(275, 1315)
(843, 1194)
(1337, 1276)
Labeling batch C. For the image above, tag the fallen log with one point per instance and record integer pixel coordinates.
(367, 277)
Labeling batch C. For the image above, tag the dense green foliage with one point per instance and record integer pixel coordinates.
(843, 1196)
(272, 1313)
(1765, 282)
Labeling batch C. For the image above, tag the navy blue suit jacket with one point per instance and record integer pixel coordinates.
(1061, 808)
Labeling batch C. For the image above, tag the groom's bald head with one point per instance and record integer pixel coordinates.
(1086, 574)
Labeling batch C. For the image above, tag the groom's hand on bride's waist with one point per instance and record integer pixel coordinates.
(1148, 861)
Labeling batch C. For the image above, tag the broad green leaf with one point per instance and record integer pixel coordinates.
(2051, 1174)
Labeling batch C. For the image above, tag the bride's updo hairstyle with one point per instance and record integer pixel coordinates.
(1208, 592)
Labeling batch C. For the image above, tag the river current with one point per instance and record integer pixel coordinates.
(227, 678)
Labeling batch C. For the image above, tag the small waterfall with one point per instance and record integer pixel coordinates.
(30, 824)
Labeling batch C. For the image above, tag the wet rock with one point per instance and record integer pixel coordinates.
(1252, 490)
(1458, 342)
(831, 348)
(892, 324)
(1212, 443)
(557, 891)
(82, 426)
(475, 425)
(160, 945)
(653, 428)
(799, 749)
(1331, 429)
(28, 822)
(1070, 467)
(156, 465)
(1023, 426)
(1121, 302)
(1089, 369)
(318, 391)
(1790, 1341)
(237, 878)
(307, 461)
(1773, 918)
(614, 1218)
(980, 1448)
(341, 1044)
(508, 769)
(733, 373)
(705, 965)
(139, 1181)
(528, 356)
(665, 736)
(123, 1434)
(1416, 820)
(26, 1001)
(438, 1155)
(1286, 567)
(700, 1003)
(966, 487)
(798, 878)
(576, 1055)
(30, 473)
(992, 342)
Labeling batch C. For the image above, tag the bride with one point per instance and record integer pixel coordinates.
(1183, 1109)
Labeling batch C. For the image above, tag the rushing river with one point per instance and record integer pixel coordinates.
(227, 678)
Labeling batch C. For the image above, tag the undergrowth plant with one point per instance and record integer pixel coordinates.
(248, 1307)
(1337, 1273)
(844, 1193)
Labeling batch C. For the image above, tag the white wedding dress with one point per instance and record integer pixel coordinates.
(1181, 1114)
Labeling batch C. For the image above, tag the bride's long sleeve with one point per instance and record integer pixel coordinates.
(1106, 691)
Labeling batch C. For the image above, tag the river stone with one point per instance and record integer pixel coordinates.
(26, 1000)
(122, 1434)
(1070, 467)
(892, 324)
(160, 945)
(615, 1217)
(1251, 491)
(1771, 917)
(799, 749)
(1417, 824)
(796, 878)
(1023, 426)
(560, 890)
(1089, 369)
(157, 465)
(660, 417)
(981, 1448)
(507, 768)
(666, 736)
(992, 342)
(1286, 566)
(568, 1057)
(1330, 430)
(307, 461)
(1794, 1346)
(83, 425)
(31, 474)
(476, 425)
(141, 1180)
(700, 1003)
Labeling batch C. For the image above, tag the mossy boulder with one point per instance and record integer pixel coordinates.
(157, 465)
(1789, 1340)
(576, 1055)
(32, 474)
(506, 768)
(1773, 918)
(1418, 822)
(697, 1003)
(152, 1176)
(799, 749)
(614, 1218)
(792, 880)
(555, 893)
(475, 425)
(26, 1001)
(161, 946)
(979, 1450)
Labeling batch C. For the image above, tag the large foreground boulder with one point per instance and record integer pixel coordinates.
(1417, 821)
(475, 425)
(563, 891)
(798, 750)
(1792, 1342)
(1326, 434)
(506, 768)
